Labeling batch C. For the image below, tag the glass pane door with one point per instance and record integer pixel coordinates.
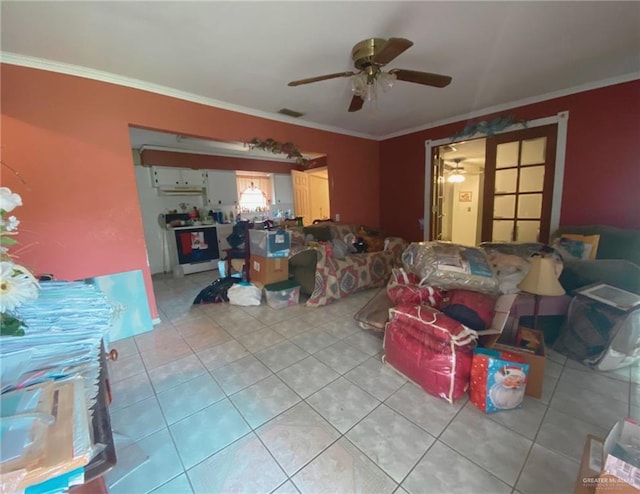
(519, 181)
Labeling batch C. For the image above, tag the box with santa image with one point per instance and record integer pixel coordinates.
(498, 380)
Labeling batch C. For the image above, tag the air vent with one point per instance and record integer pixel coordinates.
(290, 113)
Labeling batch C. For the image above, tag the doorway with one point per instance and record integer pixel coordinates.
(519, 174)
(459, 191)
(311, 194)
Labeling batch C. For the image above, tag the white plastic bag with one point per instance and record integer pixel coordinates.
(244, 294)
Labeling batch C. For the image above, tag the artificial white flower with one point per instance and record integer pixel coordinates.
(17, 285)
(11, 224)
(9, 200)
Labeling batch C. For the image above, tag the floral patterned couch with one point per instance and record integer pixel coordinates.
(329, 277)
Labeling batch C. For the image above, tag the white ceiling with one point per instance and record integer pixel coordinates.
(242, 54)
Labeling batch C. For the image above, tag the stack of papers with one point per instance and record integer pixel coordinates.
(64, 330)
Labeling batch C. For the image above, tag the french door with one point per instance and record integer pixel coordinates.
(437, 195)
(518, 185)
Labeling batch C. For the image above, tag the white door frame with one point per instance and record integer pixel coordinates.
(561, 119)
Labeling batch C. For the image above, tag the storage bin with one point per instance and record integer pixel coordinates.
(282, 294)
(270, 243)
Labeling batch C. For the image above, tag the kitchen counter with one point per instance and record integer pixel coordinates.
(190, 227)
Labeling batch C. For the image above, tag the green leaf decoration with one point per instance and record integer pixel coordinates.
(277, 147)
(8, 240)
(488, 128)
(11, 326)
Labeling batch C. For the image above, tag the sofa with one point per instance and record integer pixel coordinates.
(617, 261)
(319, 264)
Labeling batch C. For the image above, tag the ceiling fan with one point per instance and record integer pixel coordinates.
(369, 56)
(456, 172)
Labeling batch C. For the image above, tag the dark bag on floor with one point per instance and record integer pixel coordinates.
(216, 292)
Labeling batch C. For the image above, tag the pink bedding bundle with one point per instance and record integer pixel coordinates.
(431, 349)
(403, 288)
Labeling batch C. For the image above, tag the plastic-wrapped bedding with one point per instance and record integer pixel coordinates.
(511, 261)
(431, 349)
(404, 288)
(449, 266)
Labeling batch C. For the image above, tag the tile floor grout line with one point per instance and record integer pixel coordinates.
(343, 374)
(535, 438)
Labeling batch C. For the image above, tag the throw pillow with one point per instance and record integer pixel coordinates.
(577, 247)
(320, 233)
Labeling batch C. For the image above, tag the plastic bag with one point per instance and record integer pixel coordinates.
(244, 294)
(403, 288)
(216, 292)
(449, 266)
(431, 349)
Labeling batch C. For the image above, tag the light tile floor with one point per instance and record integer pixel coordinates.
(223, 398)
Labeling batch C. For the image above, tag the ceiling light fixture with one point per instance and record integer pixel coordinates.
(456, 176)
(366, 83)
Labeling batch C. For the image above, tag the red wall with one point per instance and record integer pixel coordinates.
(68, 137)
(602, 165)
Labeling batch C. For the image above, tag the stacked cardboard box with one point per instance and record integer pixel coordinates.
(266, 270)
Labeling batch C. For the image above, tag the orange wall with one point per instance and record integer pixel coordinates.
(68, 137)
(602, 170)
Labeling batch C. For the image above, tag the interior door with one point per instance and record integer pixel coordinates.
(319, 197)
(301, 196)
(518, 187)
(437, 195)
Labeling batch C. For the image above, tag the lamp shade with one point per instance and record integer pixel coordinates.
(541, 278)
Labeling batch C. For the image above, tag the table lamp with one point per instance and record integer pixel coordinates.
(541, 280)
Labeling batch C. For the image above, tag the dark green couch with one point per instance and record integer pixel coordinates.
(617, 261)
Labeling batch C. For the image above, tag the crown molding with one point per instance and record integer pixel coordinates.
(515, 104)
(99, 75)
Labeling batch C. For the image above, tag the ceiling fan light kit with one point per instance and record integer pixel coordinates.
(456, 176)
(369, 56)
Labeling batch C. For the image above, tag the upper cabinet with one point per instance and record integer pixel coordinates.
(167, 176)
(221, 188)
(283, 188)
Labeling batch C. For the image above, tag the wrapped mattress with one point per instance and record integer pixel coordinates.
(431, 349)
(449, 266)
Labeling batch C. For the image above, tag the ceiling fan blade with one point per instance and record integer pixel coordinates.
(320, 78)
(393, 48)
(356, 103)
(426, 78)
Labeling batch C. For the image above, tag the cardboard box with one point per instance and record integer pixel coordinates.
(591, 479)
(502, 310)
(270, 243)
(536, 360)
(621, 452)
(263, 270)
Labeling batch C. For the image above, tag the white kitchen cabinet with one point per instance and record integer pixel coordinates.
(282, 188)
(221, 188)
(167, 176)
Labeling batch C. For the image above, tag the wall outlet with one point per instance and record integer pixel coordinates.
(337, 216)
